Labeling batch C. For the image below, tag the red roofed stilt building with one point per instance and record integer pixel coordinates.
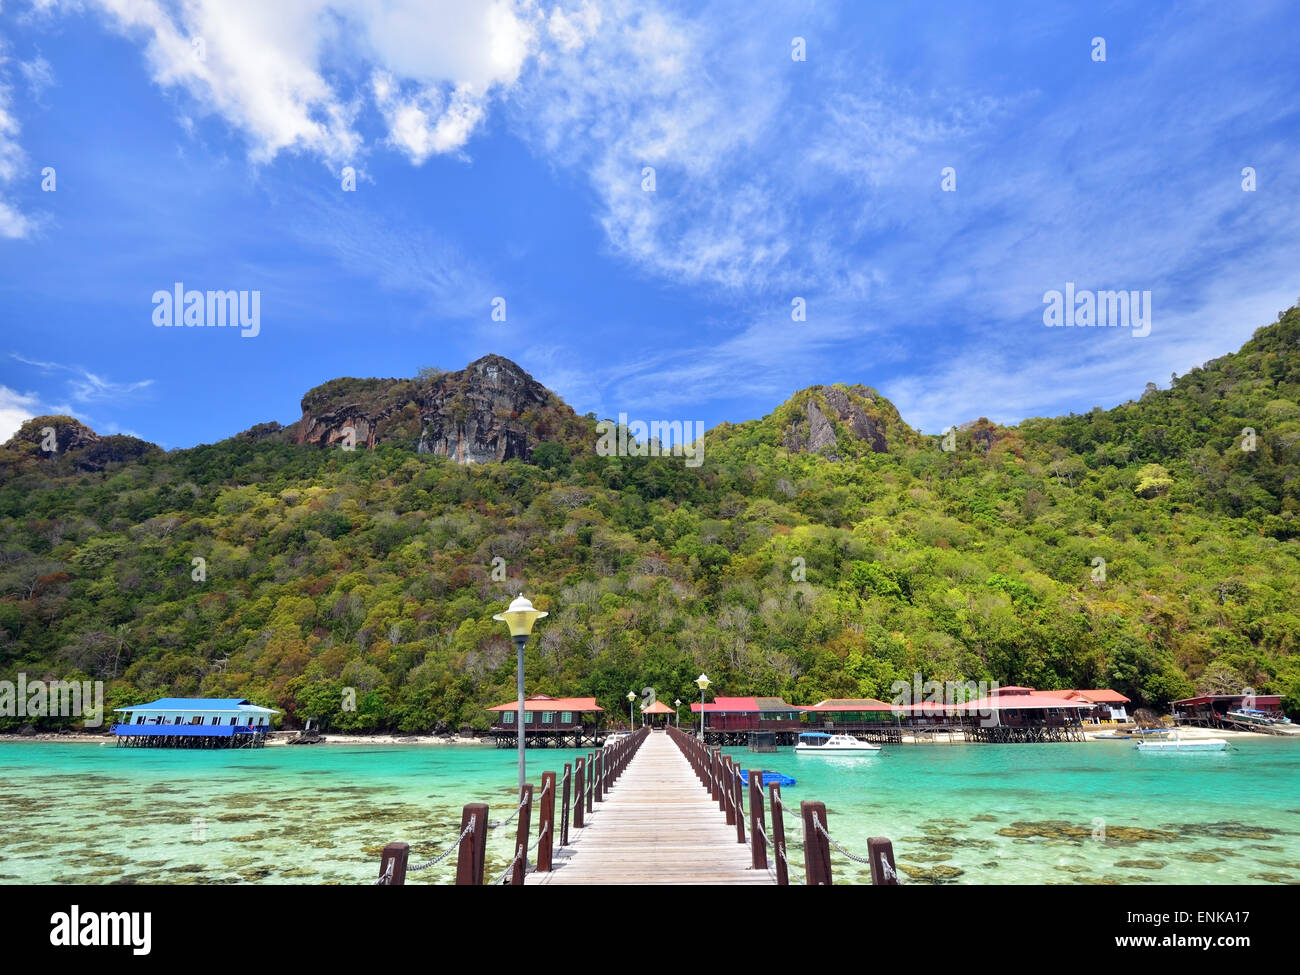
(549, 722)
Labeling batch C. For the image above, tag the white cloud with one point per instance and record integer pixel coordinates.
(291, 75)
(13, 223)
(15, 409)
(571, 29)
(38, 74)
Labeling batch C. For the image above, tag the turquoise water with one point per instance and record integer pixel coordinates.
(89, 813)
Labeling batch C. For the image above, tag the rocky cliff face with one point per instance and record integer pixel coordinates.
(817, 415)
(491, 410)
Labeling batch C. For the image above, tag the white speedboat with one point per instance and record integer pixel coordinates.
(821, 743)
(1177, 745)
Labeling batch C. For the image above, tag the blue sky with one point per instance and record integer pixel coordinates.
(499, 149)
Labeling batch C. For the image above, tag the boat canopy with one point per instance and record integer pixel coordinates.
(814, 734)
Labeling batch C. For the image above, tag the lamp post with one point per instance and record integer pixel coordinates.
(702, 682)
(678, 703)
(520, 617)
(631, 696)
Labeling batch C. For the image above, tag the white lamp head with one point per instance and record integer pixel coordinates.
(520, 616)
(702, 682)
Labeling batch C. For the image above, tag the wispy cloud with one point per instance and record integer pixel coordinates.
(85, 386)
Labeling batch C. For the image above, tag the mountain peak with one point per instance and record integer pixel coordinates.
(56, 437)
(492, 410)
(839, 421)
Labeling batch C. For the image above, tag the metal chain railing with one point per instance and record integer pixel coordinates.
(469, 828)
(509, 819)
(540, 836)
(386, 877)
(852, 856)
(505, 873)
(522, 802)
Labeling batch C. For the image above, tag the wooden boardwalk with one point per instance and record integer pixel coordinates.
(657, 825)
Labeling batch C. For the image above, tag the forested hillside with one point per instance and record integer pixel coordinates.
(825, 550)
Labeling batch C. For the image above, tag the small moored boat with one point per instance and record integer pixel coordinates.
(821, 743)
(1177, 745)
(769, 778)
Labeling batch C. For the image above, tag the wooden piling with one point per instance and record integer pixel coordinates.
(546, 823)
(397, 854)
(737, 798)
(884, 872)
(472, 854)
(816, 849)
(778, 837)
(729, 807)
(564, 806)
(579, 791)
(757, 825)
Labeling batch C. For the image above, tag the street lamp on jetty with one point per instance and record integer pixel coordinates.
(520, 617)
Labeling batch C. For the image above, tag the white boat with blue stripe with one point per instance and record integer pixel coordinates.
(821, 743)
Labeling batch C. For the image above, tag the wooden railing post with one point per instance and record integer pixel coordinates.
(715, 763)
(884, 873)
(729, 807)
(591, 780)
(564, 806)
(521, 838)
(398, 853)
(778, 836)
(546, 823)
(472, 854)
(579, 791)
(738, 798)
(757, 824)
(598, 780)
(816, 850)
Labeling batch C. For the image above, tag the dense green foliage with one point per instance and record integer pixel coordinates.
(774, 571)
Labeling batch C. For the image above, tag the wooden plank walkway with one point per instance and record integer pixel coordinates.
(657, 825)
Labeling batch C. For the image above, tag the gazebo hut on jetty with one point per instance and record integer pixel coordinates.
(659, 710)
(730, 720)
(194, 722)
(549, 722)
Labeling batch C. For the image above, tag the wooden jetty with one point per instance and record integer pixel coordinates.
(650, 808)
(657, 825)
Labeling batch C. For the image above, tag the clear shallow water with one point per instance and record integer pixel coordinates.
(996, 813)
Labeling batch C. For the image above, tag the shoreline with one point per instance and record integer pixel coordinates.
(282, 738)
(276, 739)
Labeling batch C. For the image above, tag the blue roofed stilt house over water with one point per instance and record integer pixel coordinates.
(194, 722)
